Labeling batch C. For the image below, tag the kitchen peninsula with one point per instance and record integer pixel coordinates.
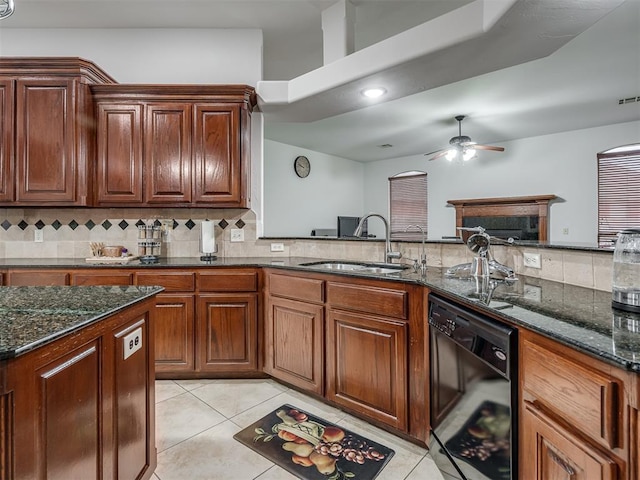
(76, 382)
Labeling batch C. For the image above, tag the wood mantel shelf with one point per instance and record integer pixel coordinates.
(536, 205)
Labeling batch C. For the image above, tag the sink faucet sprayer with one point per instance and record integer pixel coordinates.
(388, 254)
(422, 266)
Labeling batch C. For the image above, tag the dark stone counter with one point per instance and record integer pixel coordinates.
(579, 317)
(34, 316)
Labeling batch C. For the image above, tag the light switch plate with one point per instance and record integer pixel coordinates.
(132, 342)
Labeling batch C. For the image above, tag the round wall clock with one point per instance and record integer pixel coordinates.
(302, 166)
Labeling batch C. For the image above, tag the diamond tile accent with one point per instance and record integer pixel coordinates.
(90, 224)
(73, 224)
(123, 224)
(106, 225)
(40, 224)
(6, 224)
(23, 224)
(157, 223)
(223, 224)
(175, 224)
(240, 224)
(139, 222)
(56, 224)
(190, 224)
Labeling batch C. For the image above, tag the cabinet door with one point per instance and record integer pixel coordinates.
(167, 153)
(68, 399)
(217, 157)
(174, 333)
(7, 180)
(294, 346)
(119, 168)
(227, 338)
(46, 163)
(367, 365)
(549, 452)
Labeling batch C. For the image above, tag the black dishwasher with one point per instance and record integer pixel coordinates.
(473, 393)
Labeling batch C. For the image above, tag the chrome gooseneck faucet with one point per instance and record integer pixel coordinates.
(388, 254)
(422, 266)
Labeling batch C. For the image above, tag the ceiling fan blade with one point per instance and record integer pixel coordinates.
(488, 147)
(438, 155)
(440, 150)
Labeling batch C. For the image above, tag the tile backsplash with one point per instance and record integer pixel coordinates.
(68, 231)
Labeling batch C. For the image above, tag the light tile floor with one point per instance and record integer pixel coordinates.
(196, 421)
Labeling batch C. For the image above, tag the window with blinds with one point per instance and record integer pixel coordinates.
(408, 205)
(618, 192)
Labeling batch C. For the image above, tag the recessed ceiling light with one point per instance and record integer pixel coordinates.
(373, 92)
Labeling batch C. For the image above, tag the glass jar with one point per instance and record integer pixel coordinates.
(626, 271)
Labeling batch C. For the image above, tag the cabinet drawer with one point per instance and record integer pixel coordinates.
(228, 281)
(171, 281)
(588, 398)
(298, 288)
(362, 298)
(101, 278)
(35, 278)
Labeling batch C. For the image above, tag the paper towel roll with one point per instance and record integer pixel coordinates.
(207, 237)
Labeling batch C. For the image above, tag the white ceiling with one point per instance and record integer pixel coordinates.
(546, 66)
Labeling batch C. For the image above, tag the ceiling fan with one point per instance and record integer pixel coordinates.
(461, 147)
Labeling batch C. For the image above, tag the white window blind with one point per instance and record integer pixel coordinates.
(408, 205)
(618, 194)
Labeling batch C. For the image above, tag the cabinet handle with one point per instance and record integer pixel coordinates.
(562, 462)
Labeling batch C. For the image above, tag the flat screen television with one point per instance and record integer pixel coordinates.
(347, 225)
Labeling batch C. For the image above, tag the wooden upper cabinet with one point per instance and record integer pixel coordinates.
(119, 167)
(167, 160)
(45, 146)
(48, 130)
(6, 148)
(217, 163)
(194, 148)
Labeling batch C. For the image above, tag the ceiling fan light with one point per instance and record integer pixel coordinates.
(468, 154)
(452, 153)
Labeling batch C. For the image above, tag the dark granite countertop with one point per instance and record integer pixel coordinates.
(581, 318)
(34, 316)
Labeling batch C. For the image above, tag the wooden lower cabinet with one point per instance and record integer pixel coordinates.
(37, 278)
(77, 408)
(367, 365)
(551, 452)
(226, 339)
(174, 318)
(575, 419)
(294, 345)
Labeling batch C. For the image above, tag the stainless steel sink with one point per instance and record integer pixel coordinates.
(357, 267)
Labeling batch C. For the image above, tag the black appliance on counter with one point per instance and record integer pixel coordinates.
(473, 393)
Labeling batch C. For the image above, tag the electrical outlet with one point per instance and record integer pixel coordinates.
(277, 247)
(565, 231)
(38, 235)
(132, 342)
(531, 260)
(237, 235)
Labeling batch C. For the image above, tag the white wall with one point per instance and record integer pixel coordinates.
(294, 206)
(563, 164)
(149, 55)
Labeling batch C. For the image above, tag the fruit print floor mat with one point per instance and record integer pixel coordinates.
(312, 448)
